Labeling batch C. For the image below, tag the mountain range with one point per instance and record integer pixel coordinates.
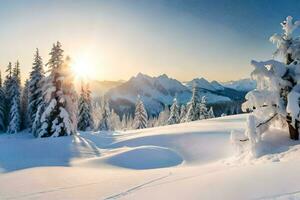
(156, 92)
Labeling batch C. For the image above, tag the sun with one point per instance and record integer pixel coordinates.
(81, 67)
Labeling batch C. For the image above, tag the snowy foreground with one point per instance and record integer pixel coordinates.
(187, 161)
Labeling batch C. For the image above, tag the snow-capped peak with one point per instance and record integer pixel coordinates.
(204, 84)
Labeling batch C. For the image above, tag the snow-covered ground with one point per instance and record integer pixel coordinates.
(186, 161)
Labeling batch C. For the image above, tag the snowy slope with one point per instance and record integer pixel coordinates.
(186, 161)
(241, 85)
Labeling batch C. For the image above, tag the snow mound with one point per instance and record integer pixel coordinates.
(147, 157)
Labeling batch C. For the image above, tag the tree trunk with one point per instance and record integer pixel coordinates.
(294, 132)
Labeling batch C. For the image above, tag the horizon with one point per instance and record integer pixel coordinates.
(116, 40)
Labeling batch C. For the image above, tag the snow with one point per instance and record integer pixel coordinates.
(158, 91)
(241, 85)
(202, 83)
(194, 160)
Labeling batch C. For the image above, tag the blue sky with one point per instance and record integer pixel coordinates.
(117, 39)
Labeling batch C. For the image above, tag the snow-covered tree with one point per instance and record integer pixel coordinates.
(124, 122)
(151, 121)
(193, 110)
(58, 117)
(163, 117)
(2, 106)
(85, 121)
(203, 111)
(182, 113)
(211, 113)
(7, 86)
(140, 115)
(129, 122)
(115, 121)
(174, 113)
(35, 93)
(105, 124)
(24, 106)
(277, 95)
(14, 124)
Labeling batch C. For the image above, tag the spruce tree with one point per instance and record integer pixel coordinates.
(57, 115)
(211, 113)
(163, 117)
(35, 87)
(7, 86)
(124, 122)
(2, 106)
(104, 124)
(24, 106)
(140, 116)
(174, 113)
(182, 113)
(193, 111)
(85, 121)
(14, 112)
(203, 111)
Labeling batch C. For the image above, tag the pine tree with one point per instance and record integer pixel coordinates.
(193, 110)
(163, 117)
(174, 113)
(35, 92)
(203, 111)
(124, 122)
(182, 113)
(129, 122)
(58, 116)
(115, 121)
(24, 106)
(140, 116)
(2, 106)
(14, 112)
(104, 124)
(275, 101)
(211, 113)
(85, 121)
(7, 87)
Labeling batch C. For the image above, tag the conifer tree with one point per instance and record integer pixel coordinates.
(193, 111)
(58, 112)
(203, 112)
(14, 112)
(104, 124)
(124, 122)
(85, 121)
(174, 113)
(163, 117)
(182, 113)
(35, 86)
(7, 87)
(115, 121)
(211, 113)
(24, 106)
(140, 116)
(2, 106)
(275, 101)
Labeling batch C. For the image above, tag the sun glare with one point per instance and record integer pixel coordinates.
(82, 67)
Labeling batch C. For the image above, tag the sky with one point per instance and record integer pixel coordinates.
(116, 39)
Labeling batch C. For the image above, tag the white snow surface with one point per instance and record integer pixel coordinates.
(185, 161)
(241, 85)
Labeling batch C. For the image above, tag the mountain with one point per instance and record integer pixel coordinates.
(154, 91)
(241, 85)
(161, 90)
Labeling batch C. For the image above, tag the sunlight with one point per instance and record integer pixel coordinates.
(82, 67)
